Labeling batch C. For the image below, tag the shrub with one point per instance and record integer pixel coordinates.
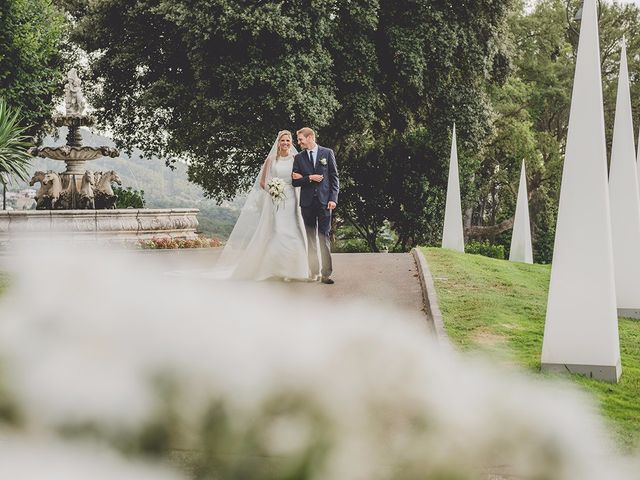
(351, 245)
(485, 248)
(129, 198)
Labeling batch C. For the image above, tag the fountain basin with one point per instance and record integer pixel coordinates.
(69, 153)
(110, 225)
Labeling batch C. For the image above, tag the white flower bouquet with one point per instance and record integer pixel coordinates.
(276, 187)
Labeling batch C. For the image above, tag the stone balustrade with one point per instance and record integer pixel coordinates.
(119, 224)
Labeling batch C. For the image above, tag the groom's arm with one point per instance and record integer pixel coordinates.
(296, 169)
(334, 180)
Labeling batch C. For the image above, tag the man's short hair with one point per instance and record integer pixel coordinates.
(307, 132)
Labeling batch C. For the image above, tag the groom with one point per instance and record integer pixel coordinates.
(317, 175)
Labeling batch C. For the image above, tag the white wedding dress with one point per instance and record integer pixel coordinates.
(278, 246)
(268, 240)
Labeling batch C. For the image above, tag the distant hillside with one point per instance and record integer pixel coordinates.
(163, 187)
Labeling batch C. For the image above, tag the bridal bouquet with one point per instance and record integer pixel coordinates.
(276, 190)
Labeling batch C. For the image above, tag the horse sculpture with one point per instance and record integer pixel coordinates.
(86, 197)
(65, 202)
(48, 195)
(95, 190)
(105, 197)
(43, 202)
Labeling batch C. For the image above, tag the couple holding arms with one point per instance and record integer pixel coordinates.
(282, 228)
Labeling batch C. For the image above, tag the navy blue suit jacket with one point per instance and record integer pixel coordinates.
(327, 190)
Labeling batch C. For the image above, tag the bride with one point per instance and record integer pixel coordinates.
(268, 240)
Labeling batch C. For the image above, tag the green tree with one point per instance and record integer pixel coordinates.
(32, 35)
(437, 63)
(213, 80)
(208, 80)
(531, 121)
(14, 159)
(532, 115)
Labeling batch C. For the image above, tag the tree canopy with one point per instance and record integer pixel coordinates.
(212, 81)
(32, 38)
(532, 113)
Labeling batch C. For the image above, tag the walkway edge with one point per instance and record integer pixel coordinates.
(430, 298)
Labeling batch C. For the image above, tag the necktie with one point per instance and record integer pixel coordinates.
(313, 160)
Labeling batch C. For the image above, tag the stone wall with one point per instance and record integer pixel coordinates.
(122, 224)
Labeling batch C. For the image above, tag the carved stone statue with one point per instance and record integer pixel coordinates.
(73, 97)
(41, 201)
(105, 196)
(66, 197)
(86, 195)
(49, 191)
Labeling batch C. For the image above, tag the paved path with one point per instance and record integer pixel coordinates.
(389, 279)
(386, 279)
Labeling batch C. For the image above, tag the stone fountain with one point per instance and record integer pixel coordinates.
(75, 188)
(82, 202)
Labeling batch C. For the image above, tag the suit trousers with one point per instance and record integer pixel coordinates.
(317, 223)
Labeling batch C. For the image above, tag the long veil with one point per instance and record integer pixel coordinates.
(256, 209)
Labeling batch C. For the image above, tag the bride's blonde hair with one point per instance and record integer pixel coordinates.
(281, 134)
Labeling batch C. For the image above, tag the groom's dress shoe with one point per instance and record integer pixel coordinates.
(327, 280)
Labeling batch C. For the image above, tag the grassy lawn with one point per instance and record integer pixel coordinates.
(499, 307)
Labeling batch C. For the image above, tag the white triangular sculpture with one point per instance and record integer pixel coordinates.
(581, 328)
(625, 200)
(452, 234)
(638, 159)
(521, 250)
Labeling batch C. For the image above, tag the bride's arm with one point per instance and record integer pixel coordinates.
(296, 176)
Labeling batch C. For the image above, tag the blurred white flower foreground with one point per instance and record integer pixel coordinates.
(107, 363)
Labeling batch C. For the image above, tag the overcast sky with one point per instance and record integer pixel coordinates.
(637, 2)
